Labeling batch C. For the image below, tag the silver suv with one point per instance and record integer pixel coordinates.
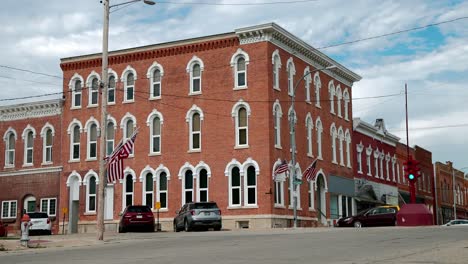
(198, 215)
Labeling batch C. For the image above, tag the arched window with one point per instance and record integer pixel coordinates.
(341, 139)
(128, 190)
(277, 114)
(94, 92)
(202, 195)
(129, 88)
(75, 143)
(311, 196)
(195, 69)
(319, 129)
(317, 86)
(162, 190)
(76, 93)
(29, 148)
(251, 186)
(128, 125)
(156, 84)
(307, 81)
(187, 193)
(331, 92)
(92, 141)
(309, 127)
(368, 160)
(291, 70)
(348, 148)
(279, 193)
(240, 112)
(91, 194)
(333, 135)
(376, 162)
(10, 142)
(195, 132)
(47, 146)
(346, 104)
(339, 96)
(156, 135)
(111, 90)
(110, 138)
(149, 190)
(241, 72)
(235, 193)
(276, 61)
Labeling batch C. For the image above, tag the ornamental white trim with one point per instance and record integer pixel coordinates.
(90, 78)
(88, 175)
(73, 79)
(45, 127)
(202, 165)
(233, 163)
(125, 118)
(72, 124)
(161, 168)
(128, 69)
(194, 60)
(184, 168)
(27, 129)
(12, 130)
(74, 174)
(152, 68)
(144, 171)
(190, 112)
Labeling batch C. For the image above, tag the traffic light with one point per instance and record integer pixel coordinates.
(412, 169)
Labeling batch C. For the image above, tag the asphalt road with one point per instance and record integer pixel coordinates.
(367, 245)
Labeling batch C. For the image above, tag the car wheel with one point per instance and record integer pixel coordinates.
(49, 232)
(187, 226)
(121, 229)
(357, 224)
(217, 228)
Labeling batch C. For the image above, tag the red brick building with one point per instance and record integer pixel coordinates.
(378, 168)
(447, 192)
(212, 114)
(31, 168)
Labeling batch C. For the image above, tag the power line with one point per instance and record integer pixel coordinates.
(29, 71)
(432, 127)
(393, 33)
(31, 81)
(237, 4)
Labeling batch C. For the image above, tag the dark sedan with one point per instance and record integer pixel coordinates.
(137, 216)
(377, 216)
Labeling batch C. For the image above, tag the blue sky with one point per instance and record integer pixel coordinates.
(433, 61)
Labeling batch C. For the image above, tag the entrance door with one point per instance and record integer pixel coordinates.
(321, 202)
(109, 203)
(75, 206)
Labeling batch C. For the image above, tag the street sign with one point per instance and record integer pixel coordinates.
(158, 205)
(65, 210)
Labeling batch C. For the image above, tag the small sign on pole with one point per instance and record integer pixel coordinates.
(157, 206)
(65, 211)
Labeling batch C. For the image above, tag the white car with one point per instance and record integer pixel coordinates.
(459, 222)
(40, 223)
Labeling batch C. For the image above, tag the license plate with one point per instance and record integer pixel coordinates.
(139, 216)
(207, 213)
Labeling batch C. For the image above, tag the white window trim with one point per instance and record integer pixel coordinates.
(334, 136)
(89, 83)
(149, 122)
(359, 149)
(311, 196)
(159, 171)
(189, 69)
(184, 190)
(88, 138)
(231, 188)
(27, 130)
(346, 104)
(387, 167)
(10, 215)
(48, 206)
(331, 91)
(6, 138)
(280, 189)
(125, 73)
(88, 195)
(368, 160)
(318, 87)
(235, 114)
(341, 139)
(44, 131)
(123, 126)
(111, 120)
(339, 97)
(348, 148)
(131, 173)
(199, 189)
(189, 119)
(307, 82)
(319, 129)
(275, 56)
(247, 187)
(112, 73)
(143, 179)
(291, 70)
(277, 114)
(71, 86)
(309, 124)
(150, 74)
(234, 59)
(376, 162)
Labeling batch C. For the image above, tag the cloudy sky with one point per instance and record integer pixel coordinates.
(433, 61)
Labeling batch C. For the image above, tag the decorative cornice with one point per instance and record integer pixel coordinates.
(31, 110)
(188, 46)
(371, 131)
(31, 171)
(275, 34)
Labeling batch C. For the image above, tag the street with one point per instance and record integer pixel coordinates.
(367, 245)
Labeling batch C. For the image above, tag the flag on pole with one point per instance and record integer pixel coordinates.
(309, 173)
(115, 160)
(282, 168)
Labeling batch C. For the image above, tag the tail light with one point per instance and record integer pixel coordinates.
(48, 221)
(218, 212)
(192, 212)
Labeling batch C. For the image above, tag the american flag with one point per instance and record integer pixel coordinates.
(309, 173)
(282, 168)
(115, 160)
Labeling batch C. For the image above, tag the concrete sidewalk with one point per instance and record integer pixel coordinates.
(57, 241)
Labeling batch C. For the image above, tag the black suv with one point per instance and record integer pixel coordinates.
(198, 215)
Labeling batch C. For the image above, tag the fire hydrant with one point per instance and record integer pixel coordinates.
(25, 224)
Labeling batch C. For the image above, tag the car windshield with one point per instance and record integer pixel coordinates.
(138, 209)
(37, 215)
(205, 206)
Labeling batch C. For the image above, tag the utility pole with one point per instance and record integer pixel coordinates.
(408, 157)
(103, 132)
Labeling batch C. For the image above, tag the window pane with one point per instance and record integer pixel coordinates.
(130, 79)
(93, 150)
(242, 117)
(77, 99)
(92, 185)
(149, 182)
(163, 197)
(129, 129)
(128, 199)
(235, 196)
(5, 209)
(156, 126)
(196, 141)
(251, 178)
(235, 177)
(251, 196)
(13, 209)
(156, 89)
(76, 151)
(112, 82)
(49, 137)
(29, 154)
(241, 79)
(92, 203)
(76, 134)
(129, 183)
(157, 76)
(111, 95)
(242, 136)
(188, 196)
(188, 180)
(203, 179)
(30, 140)
(44, 205)
(110, 131)
(156, 144)
(163, 181)
(196, 85)
(78, 87)
(241, 64)
(130, 93)
(93, 132)
(196, 70)
(204, 196)
(149, 200)
(11, 141)
(196, 122)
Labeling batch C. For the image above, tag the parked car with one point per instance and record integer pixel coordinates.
(136, 216)
(459, 222)
(3, 229)
(40, 223)
(377, 216)
(198, 215)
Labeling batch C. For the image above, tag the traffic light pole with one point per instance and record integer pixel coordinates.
(408, 157)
